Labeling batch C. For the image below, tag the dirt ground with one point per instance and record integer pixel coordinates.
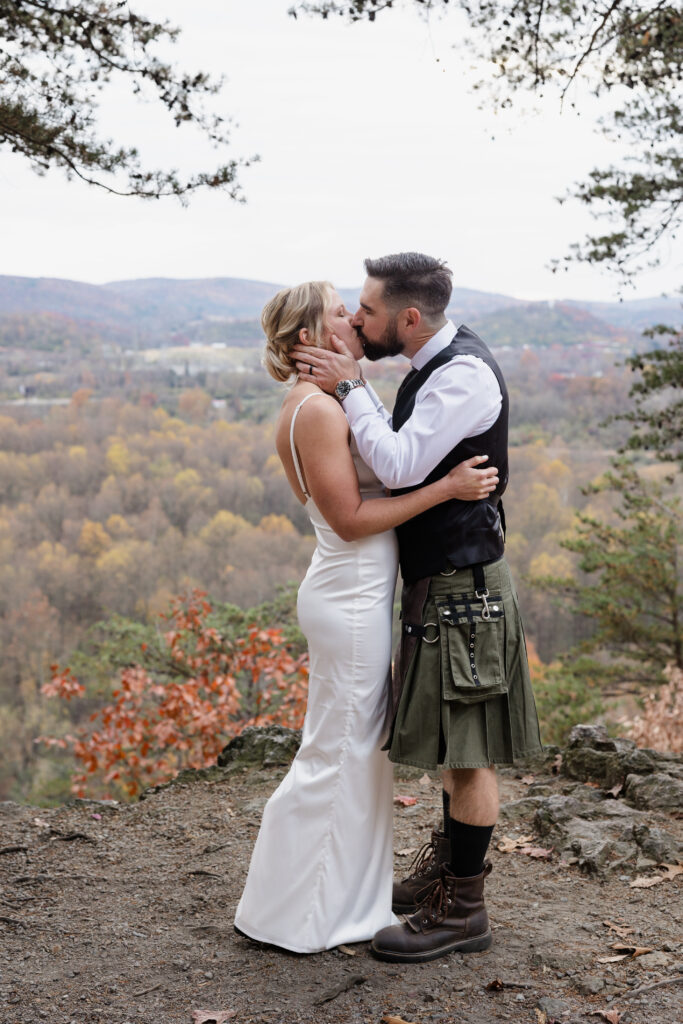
(124, 914)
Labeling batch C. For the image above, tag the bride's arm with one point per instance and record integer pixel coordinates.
(321, 436)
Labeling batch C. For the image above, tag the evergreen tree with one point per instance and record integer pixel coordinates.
(632, 592)
(657, 418)
(55, 59)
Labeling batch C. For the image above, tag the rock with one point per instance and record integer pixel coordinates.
(267, 746)
(656, 844)
(553, 1007)
(593, 736)
(633, 762)
(555, 810)
(544, 761)
(539, 789)
(590, 985)
(515, 810)
(587, 763)
(651, 960)
(657, 790)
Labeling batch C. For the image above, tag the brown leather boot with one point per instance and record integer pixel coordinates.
(451, 917)
(423, 871)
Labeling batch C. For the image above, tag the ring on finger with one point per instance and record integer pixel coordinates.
(310, 368)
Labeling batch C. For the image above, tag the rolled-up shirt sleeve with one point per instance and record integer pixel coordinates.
(461, 399)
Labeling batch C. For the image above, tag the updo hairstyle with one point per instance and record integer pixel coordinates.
(285, 315)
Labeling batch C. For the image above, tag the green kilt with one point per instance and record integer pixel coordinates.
(462, 693)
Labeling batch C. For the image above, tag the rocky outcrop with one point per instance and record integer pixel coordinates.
(597, 811)
(268, 746)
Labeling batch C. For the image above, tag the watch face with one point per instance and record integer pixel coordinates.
(342, 389)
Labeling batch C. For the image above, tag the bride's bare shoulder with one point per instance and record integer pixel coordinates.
(321, 405)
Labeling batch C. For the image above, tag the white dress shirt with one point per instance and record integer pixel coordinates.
(460, 399)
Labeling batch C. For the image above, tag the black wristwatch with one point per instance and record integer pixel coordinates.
(345, 387)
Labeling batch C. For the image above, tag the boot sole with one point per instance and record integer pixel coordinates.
(475, 945)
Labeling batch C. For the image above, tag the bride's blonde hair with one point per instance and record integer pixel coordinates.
(289, 311)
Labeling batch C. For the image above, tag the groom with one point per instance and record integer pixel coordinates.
(461, 695)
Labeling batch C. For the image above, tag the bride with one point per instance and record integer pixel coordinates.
(321, 869)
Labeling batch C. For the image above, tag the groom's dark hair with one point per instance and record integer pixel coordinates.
(412, 279)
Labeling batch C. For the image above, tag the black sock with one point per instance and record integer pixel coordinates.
(469, 844)
(445, 797)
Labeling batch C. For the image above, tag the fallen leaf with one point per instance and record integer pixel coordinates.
(507, 844)
(612, 959)
(557, 764)
(622, 930)
(538, 852)
(593, 785)
(672, 870)
(407, 852)
(643, 882)
(212, 1016)
(541, 1016)
(389, 1019)
(526, 780)
(424, 781)
(615, 791)
(347, 950)
(632, 951)
(611, 1016)
(344, 986)
(405, 801)
(40, 823)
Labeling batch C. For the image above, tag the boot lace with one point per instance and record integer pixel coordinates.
(423, 860)
(433, 907)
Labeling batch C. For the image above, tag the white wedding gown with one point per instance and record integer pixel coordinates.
(321, 869)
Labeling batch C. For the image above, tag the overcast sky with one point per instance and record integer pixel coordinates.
(371, 141)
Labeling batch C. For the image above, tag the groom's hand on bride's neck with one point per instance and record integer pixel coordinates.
(329, 365)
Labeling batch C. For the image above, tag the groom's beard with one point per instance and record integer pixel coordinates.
(388, 345)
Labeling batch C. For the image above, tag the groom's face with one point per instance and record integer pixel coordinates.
(376, 327)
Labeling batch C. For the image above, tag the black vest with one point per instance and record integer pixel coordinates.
(456, 533)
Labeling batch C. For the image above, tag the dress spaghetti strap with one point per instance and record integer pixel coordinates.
(295, 457)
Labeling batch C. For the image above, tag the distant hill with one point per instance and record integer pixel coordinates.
(542, 324)
(158, 311)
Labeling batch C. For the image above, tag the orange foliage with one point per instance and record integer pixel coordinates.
(153, 728)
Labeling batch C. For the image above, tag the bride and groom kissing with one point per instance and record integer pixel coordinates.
(459, 698)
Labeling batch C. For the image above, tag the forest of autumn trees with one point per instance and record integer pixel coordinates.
(111, 508)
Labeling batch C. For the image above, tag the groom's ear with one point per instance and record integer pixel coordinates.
(410, 318)
(303, 336)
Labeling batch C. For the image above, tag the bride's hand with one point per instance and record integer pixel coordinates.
(468, 483)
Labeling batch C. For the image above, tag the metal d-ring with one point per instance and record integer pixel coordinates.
(436, 627)
(449, 573)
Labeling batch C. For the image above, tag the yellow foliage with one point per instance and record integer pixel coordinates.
(118, 458)
(77, 451)
(187, 478)
(117, 557)
(118, 527)
(545, 564)
(93, 539)
(222, 528)
(273, 466)
(277, 524)
(555, 472)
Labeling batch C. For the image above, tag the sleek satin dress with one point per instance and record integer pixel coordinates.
(321, 869)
